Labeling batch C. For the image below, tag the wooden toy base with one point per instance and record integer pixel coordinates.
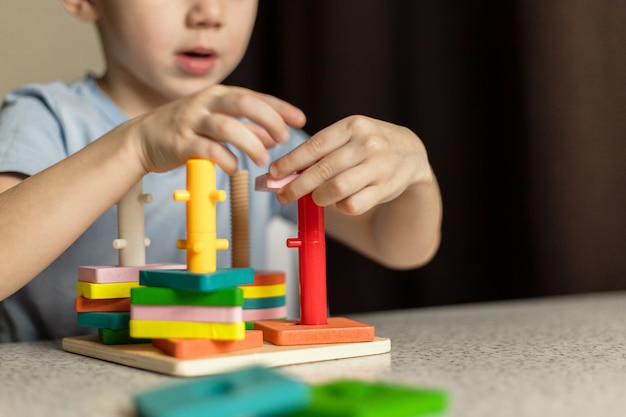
(145, 356)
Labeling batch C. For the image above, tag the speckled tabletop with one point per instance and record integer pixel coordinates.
(561, 356)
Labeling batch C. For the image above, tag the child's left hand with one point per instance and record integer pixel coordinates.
(356, 163)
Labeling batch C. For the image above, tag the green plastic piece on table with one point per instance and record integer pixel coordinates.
(253, 391)
(119, 337)
(104, 320)
(228, 297)
(351, 398)
(185, 280)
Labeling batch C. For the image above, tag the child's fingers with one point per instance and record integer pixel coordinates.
(344, 159)
(313, 150)
(361, 201)
(221, 128)
(333, 177)
(292, 115)
(217, 153)
(357, 189)
(260, 133)
(269, 112)
(345, 184)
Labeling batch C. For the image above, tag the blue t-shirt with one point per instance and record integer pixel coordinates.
(43, 124)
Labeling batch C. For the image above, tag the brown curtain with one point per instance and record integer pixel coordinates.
(575, 89)
(521, 105)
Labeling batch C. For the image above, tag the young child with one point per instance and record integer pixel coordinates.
(68, 153)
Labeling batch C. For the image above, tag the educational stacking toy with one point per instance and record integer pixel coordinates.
(198, 317)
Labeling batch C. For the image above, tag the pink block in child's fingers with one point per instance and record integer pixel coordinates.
(266, 183)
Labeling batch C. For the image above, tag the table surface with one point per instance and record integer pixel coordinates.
(556, 356)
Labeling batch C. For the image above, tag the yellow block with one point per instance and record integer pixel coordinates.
(162, 329)
(263, 291)
(104, 290)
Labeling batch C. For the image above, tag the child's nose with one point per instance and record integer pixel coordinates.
(205, 13)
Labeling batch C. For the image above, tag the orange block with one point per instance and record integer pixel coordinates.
(267, 278)
(84, 304)
(337, 330)
(199, 348)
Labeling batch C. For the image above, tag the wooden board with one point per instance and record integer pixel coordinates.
(145, 356)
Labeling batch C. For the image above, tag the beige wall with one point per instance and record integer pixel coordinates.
(41, 42)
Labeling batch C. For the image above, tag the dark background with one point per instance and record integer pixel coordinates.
(522, 107)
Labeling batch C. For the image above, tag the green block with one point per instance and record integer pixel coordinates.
(105, 320)
(119, 337)
(228, 297)
(351, 398)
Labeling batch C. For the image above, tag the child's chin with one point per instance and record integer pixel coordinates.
(189, 87)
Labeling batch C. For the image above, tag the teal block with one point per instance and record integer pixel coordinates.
(227, 297)
(253, 391)
(266, 302)
(185, 280)
(351, 398)
(105, 320)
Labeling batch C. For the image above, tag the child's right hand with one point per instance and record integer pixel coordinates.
(199, 125)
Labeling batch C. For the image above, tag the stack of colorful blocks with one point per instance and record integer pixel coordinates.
(214, 315)
(188, 314)
(103, 299)
(265, 299)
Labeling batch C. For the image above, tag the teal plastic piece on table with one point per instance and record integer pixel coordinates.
(351, 398)
(254, 391)
(185, 280)
(227, 297)
(105, 320)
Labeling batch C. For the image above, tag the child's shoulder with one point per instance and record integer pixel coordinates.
(53, 88)
(67, 116)
(79, 104)
(53, 94)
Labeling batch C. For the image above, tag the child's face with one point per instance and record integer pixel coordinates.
(166, 49)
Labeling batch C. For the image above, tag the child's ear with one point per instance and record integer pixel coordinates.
(83, 9)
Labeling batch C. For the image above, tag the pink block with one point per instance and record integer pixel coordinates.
(266, 183)
(109, 274)
(265, 313)
(187, 313)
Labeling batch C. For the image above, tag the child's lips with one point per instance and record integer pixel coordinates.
(196, 61)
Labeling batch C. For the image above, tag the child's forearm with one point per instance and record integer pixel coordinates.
(402, 234)
(41, 216)
(407, 230)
